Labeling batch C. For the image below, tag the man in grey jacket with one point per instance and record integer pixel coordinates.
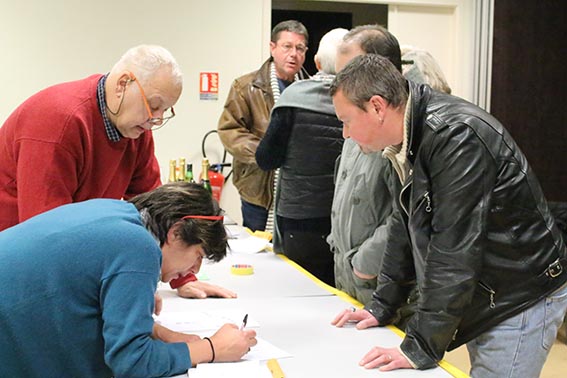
(362, 202)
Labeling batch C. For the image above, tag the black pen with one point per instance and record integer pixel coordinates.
(244, 321)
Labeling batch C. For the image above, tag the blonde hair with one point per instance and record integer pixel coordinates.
(419, 66)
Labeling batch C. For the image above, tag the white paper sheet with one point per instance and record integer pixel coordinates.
(248, 244)
(205, 323)
(196, 321)
(242, 369)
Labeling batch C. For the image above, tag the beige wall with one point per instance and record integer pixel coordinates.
(47, 42)
(445, 28)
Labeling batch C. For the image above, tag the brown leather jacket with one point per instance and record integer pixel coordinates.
(242, 125)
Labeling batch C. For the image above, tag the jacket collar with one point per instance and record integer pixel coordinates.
(262, 78)
(397, 154)
(420, 95)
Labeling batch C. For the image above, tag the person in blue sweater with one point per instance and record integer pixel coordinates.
(77, 287)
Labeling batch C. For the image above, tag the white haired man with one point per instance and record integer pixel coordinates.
(92, 138)
(88, 138)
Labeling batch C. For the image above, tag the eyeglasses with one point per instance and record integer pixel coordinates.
(287, 47)
(156, 122)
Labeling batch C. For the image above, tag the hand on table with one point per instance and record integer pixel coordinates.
(363, 318)
(200, 289)
(387, 358)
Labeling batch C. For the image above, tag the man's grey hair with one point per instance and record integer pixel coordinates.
(146, 60)
(370, 75)
(420, 67)
(291, 26)
(327, 52)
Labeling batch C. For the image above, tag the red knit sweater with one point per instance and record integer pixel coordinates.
(54, 150)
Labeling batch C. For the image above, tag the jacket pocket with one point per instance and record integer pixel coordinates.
(555, 306)
(251, 181)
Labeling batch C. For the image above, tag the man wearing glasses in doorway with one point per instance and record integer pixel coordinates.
(246, 114)
(88, 138)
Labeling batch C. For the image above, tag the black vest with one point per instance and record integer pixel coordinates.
(306, 177)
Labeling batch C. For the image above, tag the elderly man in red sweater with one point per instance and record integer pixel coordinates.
(90, 138)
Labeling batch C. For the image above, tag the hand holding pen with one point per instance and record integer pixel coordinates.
(229, 343)
(244, 321)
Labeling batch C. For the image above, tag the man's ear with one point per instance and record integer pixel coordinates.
(378, 104)
(123, 79)
(317, 62)
(171, 235)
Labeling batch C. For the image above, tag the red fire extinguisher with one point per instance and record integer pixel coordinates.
(217, 179)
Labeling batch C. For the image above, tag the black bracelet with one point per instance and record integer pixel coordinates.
(212, 348)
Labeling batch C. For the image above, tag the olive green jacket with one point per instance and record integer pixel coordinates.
(362, 206)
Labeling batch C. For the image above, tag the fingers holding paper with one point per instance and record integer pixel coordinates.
(363, 318)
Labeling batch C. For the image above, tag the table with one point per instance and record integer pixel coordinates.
(294, 311)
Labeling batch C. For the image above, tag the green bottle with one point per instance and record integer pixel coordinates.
(189, 173)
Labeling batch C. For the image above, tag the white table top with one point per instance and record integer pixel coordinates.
(273, 277)
(301, 326)
(294, 312)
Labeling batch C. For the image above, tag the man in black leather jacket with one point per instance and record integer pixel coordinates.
(472, 229)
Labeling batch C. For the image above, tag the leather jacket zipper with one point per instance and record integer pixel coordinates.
(490, 291)
(400, 198)
(427, 200)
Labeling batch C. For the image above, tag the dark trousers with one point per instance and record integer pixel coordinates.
(304, 242)
(253, 216)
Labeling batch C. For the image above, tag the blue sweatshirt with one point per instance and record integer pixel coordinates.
(77, 288)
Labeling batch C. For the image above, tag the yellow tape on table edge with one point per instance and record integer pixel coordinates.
(275, 368)
(454, 371)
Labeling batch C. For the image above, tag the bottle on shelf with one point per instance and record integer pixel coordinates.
(205, 175)
(189, 173)
(181, 173)
(172, 170)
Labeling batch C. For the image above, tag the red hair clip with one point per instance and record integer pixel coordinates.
(206, 217)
